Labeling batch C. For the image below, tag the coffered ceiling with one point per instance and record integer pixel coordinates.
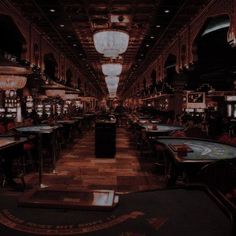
(70, 25)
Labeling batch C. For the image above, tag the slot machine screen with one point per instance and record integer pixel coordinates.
(199, 110)
(189, 110)
(39, 110)
(29, 104)
(2, 112)
(234, 106)
(229, 110)
(48, 109)
(231, 98)
(196, 100)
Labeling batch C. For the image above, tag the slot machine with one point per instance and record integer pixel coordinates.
(231, 106)
(58, 109)
(48, 108)
(39, 109)
(2, 112)
(189, 111)
(66, 107)
(29, 104)
(10, 103)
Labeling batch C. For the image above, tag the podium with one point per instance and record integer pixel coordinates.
(105, 139)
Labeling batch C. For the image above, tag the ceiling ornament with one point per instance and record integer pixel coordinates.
(112, 69)
(112, 88)
(111, 43)
(112, 80)
(12, 77)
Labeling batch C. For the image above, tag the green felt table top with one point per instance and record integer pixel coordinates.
(202, 149)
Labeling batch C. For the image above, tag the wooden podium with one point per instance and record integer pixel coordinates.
(105, 139)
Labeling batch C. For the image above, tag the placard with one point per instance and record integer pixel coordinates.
(196, 100)
(231, 98)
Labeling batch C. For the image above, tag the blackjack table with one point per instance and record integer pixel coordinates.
(190, 154)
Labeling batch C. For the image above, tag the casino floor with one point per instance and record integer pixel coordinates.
(148, 211)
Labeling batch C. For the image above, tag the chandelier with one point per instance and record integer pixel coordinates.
(111, 43)
(112, 85)
(112, 88)
(111, 80)
(111, 69)
(112, 95)
(12, 77)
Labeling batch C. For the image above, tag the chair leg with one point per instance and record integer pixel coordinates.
(30, 160)
(22, 180)
(21, 170)
(3, 182)
(23, 163)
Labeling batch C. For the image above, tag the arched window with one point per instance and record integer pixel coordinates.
(11, 40)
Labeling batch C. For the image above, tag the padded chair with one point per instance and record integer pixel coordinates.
(160, 153)
(15, 169)
(225, 138)
(169, 121)
(27, 160)
(10, 126)
(2, 175)
(194, 132)
(2, 129)
(178, 134)
(219, 175)
(145, 145)
(137, 134)
(233, 141)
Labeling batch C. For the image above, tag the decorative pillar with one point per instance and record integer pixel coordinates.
(232, 30)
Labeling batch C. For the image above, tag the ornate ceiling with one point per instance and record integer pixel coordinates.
(70, 25)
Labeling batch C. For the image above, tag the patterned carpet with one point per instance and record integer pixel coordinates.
(78, 167)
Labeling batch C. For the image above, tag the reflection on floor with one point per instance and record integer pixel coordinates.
(78, 167)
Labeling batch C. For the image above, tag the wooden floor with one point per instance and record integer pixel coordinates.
(78, 168)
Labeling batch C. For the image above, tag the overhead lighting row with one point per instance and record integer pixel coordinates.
(111, 43)
(112, 72)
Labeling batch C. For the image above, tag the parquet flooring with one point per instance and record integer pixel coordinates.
(78, 167)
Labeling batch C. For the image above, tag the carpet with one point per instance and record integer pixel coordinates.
(161, 212)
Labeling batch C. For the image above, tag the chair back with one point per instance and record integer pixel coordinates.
(225, 138)
(10, 125)
(194, 132)
(220, 175)
(178, 134)
(2, 129)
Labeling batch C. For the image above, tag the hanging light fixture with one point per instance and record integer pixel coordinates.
(12, 76)
(112, 88)
(112, 95)
(111, 69)
(112, 85)
(111, 43)
(112, 80)
(54, 90)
